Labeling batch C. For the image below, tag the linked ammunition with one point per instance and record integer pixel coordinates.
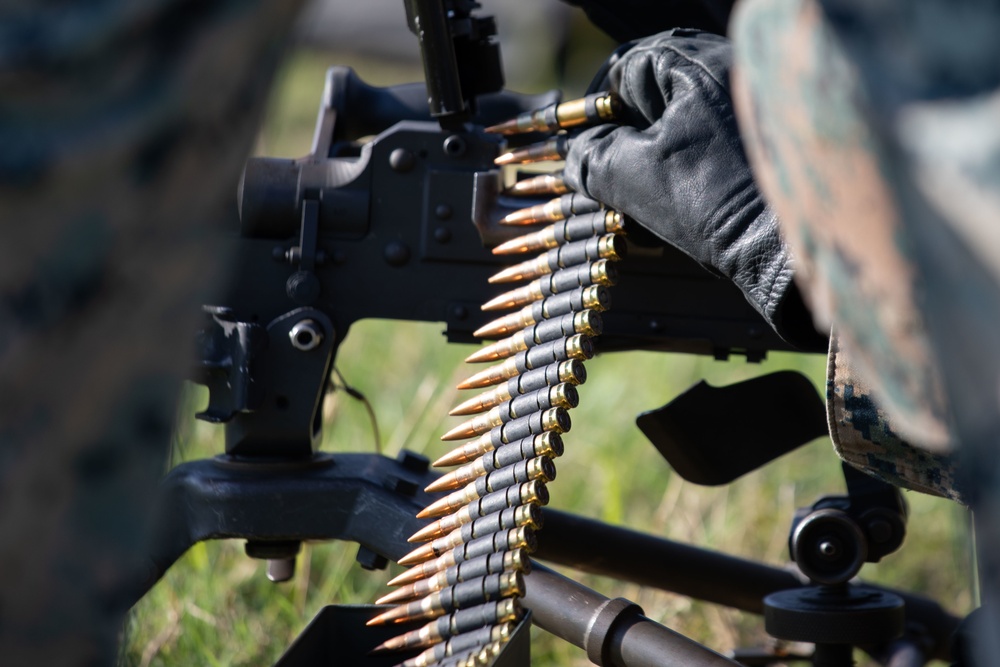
(547, 444)
(538, 468)
(552, 149)
(510, 538)
(506, 561)
(543, 184)
(479, 510)
(586, 322)
(601, 272)
(560, 396)
(459, 644)
(517, 538)
(529, 493)
(571, 371)
(577, 228)
(527, 514)
(595, 297)
(464, 620)
(557, 209)
(553, 419)
(451, 598)
(609, 246)
(594, 108)
(577, 347)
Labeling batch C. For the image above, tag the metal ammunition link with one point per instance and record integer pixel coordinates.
(490, 613)
(535, 491)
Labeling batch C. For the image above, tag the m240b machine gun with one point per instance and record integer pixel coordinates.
(392, 215)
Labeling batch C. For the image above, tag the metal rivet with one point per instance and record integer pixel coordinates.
(454, 146)
(879, 530)
(396, 253)
(443, 211)
(402, 160)
(302, 287)
(442, 234)
(828, 548)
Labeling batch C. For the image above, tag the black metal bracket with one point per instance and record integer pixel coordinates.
(712, 435)
(226, 349)
(363, 498)
(303, 286)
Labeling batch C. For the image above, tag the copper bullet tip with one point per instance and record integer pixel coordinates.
(446, 505)
(443, 483)
(506, 158)
(422, 535)
(450, 459)
(460, 432)
(551, 149)
(466, 452)
(524, 216)
(543, 184)
(394, 615)
(515, 297)
(464, 408)
(419, 555)
(408, 577)
(401, 595)
(506, 127)
(378, 620)
(512, 247)
(393, 644)
(503, 277)
(431, 511)
(484, 378)
(481, 355)
(453, 458)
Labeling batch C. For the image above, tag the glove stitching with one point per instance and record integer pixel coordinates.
(784, 274)
(699, 65)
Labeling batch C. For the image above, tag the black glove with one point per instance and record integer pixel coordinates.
(677, 167)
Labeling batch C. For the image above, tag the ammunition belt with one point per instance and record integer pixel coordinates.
(467, 576)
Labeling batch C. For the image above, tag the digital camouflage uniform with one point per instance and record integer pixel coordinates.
(124, 126)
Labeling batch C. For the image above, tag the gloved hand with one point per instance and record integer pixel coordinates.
(677, 167)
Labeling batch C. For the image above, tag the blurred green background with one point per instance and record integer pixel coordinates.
(216, 607)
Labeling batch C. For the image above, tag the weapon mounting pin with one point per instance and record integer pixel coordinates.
(305, 335)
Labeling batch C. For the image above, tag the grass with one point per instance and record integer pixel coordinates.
(215, 606)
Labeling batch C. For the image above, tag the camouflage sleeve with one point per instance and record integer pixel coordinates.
(866, 436)
(124, 127)
(824, 168)
(884, 172)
